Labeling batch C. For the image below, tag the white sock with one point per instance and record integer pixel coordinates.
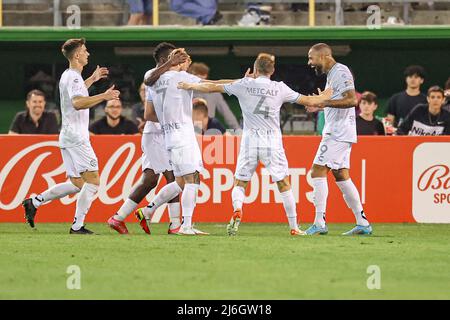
(125, 210)
(290, 208)
(320, 199)
(84, 202)
(351, 197)
(188, 202)
(167, 193)
(174, 214)
(237, 196)
(58, 191)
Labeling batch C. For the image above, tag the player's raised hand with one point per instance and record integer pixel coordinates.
(112, 94)
(326, 94)
(183, 85)
(249, 73)
(100, 73)
(178, 56)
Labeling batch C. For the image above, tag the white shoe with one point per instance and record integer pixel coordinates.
(199, 232)
(186, 231)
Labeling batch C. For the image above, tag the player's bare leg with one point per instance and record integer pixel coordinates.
(237, 197)
(91, 181)
(320, 184)
(352, 199)
(57, 191)
(284, 187)
(190, 184)
(147, 183)
(173, 207)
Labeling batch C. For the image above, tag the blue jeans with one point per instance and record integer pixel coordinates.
(202, 10)
(141, 6)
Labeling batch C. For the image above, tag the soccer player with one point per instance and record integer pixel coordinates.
(338, 135)
(155, 160)
(77, 153)
(173, 109)
(261, 99)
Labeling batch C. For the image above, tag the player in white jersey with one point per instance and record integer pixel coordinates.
(261, 99)
(155, 160)
(172, 108)
(77, 153)
(338, 136)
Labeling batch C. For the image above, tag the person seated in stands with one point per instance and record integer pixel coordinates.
(137, 113)
(428, 119)
(214, 100)
(113, 122)
(35, 120)
(204, 11)
(366, 123)
(446, 106)
(141, 12)
(401, 103)
(202, 123)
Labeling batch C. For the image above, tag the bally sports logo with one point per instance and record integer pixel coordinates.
(431, 183)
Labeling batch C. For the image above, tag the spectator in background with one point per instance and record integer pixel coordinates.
(204, 11)
(205, 124)
(113, 122)
(446, 106)
(366, 123)
(137, 110)
(427, 119)
(35, 120)
(256, 14)
(140, 12)
(400, 104)
(215, 100)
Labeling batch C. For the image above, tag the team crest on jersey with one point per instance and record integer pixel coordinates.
(93, 163)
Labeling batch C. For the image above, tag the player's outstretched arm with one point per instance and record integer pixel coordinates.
(316, 100)
(80, 103)
(222, 81)
(149, 112)
(348, 101)
(179, 56)
(99, 73)
(201, 86)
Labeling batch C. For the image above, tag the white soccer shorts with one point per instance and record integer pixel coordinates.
(79, 159)
(273, 158)
(154, 153)
(186, 159)
(333, 154)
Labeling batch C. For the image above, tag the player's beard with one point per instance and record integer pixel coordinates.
(318, 70)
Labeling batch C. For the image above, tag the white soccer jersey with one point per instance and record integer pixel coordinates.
(150, 126)
(75, 123)
(340, 124)
(173, 108)
(260, 100)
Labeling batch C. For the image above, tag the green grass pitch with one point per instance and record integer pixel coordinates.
(262, 262)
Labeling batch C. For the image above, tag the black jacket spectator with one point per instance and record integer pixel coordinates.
(400, 104)
(23, 124)
(420, 122)
(369, 128)
(125, 126)
(214, 124)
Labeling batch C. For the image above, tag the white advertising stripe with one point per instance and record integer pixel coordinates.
(431, 183)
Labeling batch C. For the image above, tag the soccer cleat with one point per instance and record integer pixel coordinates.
(199, 232)
(235, 221)
(297, 232)
(186, 231)
(142, 221)
(82, 230)
(117, 225)
(30, 211)
(314, 229)
(359, 230)
(173, 230)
